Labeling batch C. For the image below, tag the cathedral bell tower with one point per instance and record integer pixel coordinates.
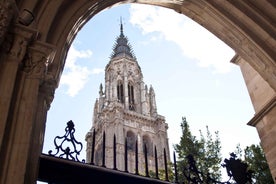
(127, 109)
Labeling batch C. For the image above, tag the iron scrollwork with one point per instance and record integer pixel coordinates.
(61, 144)
(238, 170)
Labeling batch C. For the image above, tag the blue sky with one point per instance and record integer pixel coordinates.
(187, 66)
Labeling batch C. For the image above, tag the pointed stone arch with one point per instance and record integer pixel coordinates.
(147, 141)
(224, 19)
(131, 139)
(246, 26)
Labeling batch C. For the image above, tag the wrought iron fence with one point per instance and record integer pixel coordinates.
(235, 168)
(126, 156)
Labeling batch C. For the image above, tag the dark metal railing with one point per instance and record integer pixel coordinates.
(236, 169)
(166, 166)
(126, 156)
(136, 157)
(103, 157)
(114, 153)
(63, 170)
(175, 168)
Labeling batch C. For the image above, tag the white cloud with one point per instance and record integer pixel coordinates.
(98, 70)
(195, 41)
(75, 76)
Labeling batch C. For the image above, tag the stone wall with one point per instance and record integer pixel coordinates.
(263, 98)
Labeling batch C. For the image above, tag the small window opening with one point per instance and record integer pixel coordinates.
(131, 97)
(120, 92)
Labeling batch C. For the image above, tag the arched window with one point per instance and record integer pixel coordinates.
(147, 142)
(131, 139)
(120, 92)
(131, 97)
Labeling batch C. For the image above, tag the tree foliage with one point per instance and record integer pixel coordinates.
(206, 152)
(255, 157)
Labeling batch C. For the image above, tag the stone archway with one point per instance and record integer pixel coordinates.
(27, 84)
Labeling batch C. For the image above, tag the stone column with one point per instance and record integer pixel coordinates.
(107, 87)
(144, 109)
(44, 100)
(153, 110)
(126, 97)
(263, 98)
(35, 90)
(113, 87)
(89, 139)
(264, 121)
(14, 49)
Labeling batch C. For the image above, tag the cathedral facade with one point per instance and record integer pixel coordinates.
(126, 108)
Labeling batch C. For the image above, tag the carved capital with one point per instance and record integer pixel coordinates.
(38, 58)
(17, 41)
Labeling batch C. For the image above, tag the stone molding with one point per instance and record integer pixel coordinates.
(263, 112)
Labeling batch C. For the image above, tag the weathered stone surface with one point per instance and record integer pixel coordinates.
(127, 109)
(246, 26)
(263, 98)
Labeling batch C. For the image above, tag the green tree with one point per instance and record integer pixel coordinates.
(254, 156)
(238, 152)
(211, 156)
(206, 152)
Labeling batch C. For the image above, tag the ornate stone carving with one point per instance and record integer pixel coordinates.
(48, 88)
(6, 14)
(17, 41)
(39, 57)
(36, 63)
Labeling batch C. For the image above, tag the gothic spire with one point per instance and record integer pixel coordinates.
(122, 29)
(122, 46)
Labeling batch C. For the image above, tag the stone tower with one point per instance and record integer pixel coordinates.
(126, 108)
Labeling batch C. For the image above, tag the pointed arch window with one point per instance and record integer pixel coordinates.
(120, 92)
(131, 97)
(148, 143)
(131, 139)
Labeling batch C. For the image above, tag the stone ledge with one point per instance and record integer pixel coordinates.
(264, 111)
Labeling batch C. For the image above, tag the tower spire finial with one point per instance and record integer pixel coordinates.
(122, 47)
(121, 28)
